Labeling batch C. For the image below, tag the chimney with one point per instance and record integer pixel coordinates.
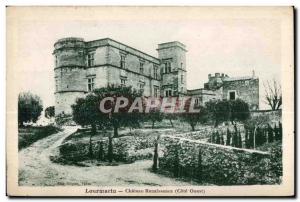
(253, 73)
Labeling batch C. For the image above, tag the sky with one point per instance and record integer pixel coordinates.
(234, 46)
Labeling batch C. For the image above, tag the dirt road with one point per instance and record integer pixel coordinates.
(36, 169)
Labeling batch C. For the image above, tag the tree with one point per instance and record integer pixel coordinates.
(121, 117)
(218, 139)
(221, 139)
(194, 118)
(240, 141)
(154, 115)
(110, 154)
(29, 108)
(228, 110)
(86, 113)
(228, 137)
(270, 133)
(273, 95)
(219, 111)
(254, 123)
(100, 152)
(50, 112)
(239, 110)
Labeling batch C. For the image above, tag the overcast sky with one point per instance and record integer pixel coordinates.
(232, 46)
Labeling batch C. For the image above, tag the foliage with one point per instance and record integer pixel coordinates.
(194, 118)
(29, 108)
(154, 115)
(273, 94)
(29, 135)
(86, 113)
(50, 112)
(218, 110)
(227, 110)
(121, 118)
(239, 110)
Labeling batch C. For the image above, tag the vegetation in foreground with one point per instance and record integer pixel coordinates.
(29, 134)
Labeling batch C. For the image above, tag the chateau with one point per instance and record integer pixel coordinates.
(82, 66)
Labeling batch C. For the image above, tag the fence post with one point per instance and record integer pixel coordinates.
(155, 156)
(100, 152)
(176, 164)
(199, 168)
(110, 149)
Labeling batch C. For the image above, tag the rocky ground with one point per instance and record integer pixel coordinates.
(36, 169)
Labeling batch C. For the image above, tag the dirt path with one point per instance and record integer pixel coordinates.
(36, 169)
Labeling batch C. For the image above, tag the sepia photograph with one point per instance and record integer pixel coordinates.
(150, 101)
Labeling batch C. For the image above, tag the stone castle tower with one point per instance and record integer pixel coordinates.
(69, 72)
(173, 68)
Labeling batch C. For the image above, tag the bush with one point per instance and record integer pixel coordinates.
(29, 108)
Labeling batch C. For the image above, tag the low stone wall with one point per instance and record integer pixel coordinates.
(126, 149)
(212, 163)
(275, 116)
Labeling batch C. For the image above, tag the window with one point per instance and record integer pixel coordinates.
(91, 84)
(122, 62)
(56, 85)
(168, 93)
(155, 73)
(182, 79)
(123, 82)
(232, 95)
(167, 67)
(197, 101)
(156, 91)
(181, 65)
(56, 61)
(141, 67)
(90, 59)
(141, 86)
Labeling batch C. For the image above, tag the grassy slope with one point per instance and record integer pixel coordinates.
(29, 135)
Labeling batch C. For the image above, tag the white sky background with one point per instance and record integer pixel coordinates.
(231, 46)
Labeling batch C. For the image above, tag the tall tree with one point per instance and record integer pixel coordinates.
(30, 107)
(154, 115)
(239, 110)
(225, 110)
(253, 124)
(273, 94)
(121, 117)
(86, 113)
(194, 118)
(219, 111)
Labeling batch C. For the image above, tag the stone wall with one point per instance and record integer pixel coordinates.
(275, 116)
(247, 90)
(215, 164)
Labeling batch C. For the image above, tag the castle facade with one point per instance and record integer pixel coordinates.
(81, 66)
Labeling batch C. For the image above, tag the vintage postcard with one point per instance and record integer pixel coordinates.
(150, 101)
